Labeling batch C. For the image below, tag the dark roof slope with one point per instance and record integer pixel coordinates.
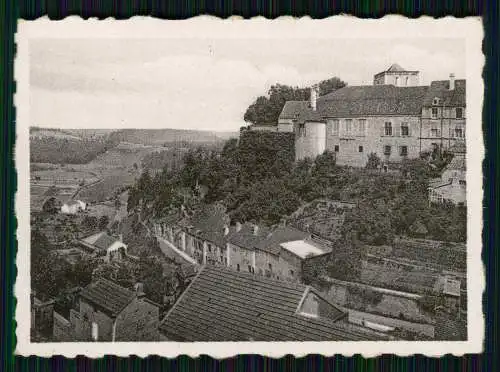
(246, 238)
(280, 235)
(457, 163)
(225, 305)
(108, 296)
(373, 100)
(292, 109)
(440, 89)
(104, 241)
(395, 68)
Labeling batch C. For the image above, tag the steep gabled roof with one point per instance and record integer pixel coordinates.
(440, 89)
(292, 109)
(100, 240)
(395, 68)
(225, 305)
(457, 163)
(110, 297)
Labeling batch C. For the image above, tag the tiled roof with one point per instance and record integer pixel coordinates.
(108, 296)
(278, 236)
(245, 238)
(457, 163)
(370, 100)
(373, 100)
(395, 68)
(292, 109)
(104, 241)
(440, 89)
(225, 305)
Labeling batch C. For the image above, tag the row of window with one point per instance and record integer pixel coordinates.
(403, 150)
(458, 132)
(459, 112)
(404, 130)
(359, 127)
(389, 130)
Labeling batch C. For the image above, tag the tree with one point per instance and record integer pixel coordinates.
(266, 110)
(330, 85)
(103, 222)
(51, 205)
(373, 161)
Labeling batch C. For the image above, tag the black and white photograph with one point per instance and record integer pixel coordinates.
(250, 188)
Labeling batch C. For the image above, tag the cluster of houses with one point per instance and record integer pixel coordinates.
(247, 285)
(207, 236)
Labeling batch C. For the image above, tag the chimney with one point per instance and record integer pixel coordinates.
(255, 230)
(452, 81)
(226, 230)
(120, 238)
(238, 226)
(283, 222)
(314, 96)
(139, 290)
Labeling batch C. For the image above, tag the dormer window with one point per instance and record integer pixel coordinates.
(436, 101)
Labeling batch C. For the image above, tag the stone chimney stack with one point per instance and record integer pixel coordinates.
(314, 96)
(226, 230)
(452, 81)
(255, 230)
(139, 290)
(238, 226)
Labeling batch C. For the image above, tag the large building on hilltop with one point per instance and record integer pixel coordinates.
(394, 118)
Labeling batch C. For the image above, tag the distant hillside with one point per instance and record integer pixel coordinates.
(59, 146)
(162, 136)
(36, 132)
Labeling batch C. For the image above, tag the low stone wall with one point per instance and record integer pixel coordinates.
(375, 300)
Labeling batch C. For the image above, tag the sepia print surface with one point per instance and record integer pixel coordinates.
(301, 183)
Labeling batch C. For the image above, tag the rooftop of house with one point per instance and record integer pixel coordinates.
(394, 68)
(225, 305)
(292, 109)
(373, 100)
(110, 297)
(247, 236)
(440, 89)
(448, 286)
(304, 248)
(457, 163)
(100, 240)
(282, 234)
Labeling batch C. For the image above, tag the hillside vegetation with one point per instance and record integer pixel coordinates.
(258, 180)
(68, 149)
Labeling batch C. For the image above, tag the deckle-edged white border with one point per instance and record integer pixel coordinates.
(338, 27)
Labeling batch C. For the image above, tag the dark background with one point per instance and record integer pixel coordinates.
(11, 10)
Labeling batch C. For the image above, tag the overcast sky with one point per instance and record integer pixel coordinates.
(205, 84)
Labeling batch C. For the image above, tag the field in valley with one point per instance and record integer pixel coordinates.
(93, 182)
